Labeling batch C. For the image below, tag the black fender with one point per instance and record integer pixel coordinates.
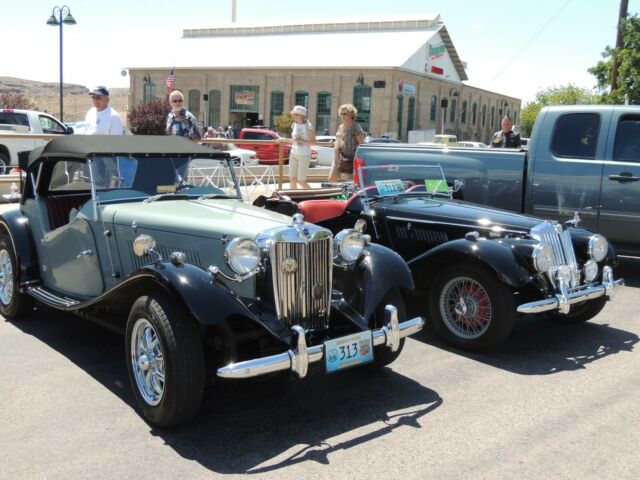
(498, 257)
(580, 238)
(365, 283)
(17, 227)
(208, 300)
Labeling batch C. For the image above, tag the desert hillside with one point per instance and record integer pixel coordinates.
(45, 95)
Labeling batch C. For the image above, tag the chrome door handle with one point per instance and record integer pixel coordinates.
(84, 253)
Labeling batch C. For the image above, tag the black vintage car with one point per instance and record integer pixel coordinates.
(150, 236)
(475, 268)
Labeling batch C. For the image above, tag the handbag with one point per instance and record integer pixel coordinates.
(345, 165)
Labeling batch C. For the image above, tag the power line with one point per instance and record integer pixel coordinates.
(531, 39)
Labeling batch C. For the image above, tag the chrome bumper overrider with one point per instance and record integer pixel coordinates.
(298, 359)
(563, 300)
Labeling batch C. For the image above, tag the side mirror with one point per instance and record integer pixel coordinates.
(69, 131)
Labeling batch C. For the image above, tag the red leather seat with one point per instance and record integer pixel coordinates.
(315, 211)
(59, 206)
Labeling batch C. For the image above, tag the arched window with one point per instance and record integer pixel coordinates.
(474, 113)
(515, 117)
(411, 113)
(362, 101)
(484, 115)
(323, 112)
(214, 108)
(400, 114)
(434, 108)
(302, 98)
(463, 117)
(277, 106)
(194, 102)
(493, 116)
(149, 92)
(452, 114)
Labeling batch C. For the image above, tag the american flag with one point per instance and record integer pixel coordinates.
(171, 81)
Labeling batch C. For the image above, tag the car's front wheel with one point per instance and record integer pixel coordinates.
(470, 308)
(13, 303)
(583, 312)
(165, 360)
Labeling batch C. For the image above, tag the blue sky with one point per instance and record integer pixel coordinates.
(515, 48)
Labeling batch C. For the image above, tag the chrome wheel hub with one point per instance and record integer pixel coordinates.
(147, 361)
(465, 307)
(6, 278)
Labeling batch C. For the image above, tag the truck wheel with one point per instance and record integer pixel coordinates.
(470, 308)
(4, 161)
(383, 356)
(13, 303)
(581, 313)
(165, 360)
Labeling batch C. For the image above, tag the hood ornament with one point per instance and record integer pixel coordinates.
(575, 221)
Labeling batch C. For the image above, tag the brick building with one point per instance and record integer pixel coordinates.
(397, 72)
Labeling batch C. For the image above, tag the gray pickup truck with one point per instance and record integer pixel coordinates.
(583, 159)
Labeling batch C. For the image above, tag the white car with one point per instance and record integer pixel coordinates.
(240, 156)
(324, 151)
(472, 144)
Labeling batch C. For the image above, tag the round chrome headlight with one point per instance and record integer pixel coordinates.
(542, 257)
(598, 247)
(590, 270)
(349, 245)
(242, 255)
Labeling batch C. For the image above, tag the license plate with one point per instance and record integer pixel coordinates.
(349, 351)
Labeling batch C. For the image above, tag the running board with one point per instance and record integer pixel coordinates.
(49, 298)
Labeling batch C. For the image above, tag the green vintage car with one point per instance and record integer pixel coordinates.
(149, 235)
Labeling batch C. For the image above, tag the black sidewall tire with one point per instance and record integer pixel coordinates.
(21, 304)
(581, 313)
(383, 356)
(4, 164)
(184, 365)
(503, 310)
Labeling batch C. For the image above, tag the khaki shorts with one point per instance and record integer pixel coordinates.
(299, 165)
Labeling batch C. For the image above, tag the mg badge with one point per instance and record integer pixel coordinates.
(318, 290)
(290, 265)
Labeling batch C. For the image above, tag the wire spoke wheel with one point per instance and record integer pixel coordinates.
(6, 277)
(465, 307)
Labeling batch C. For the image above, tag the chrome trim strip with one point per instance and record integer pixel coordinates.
(473, 227)
(564, 300)
(294, 360)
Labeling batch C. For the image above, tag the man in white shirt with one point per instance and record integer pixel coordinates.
(102, 119)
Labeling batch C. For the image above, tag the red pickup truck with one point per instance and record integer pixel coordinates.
(267, 153)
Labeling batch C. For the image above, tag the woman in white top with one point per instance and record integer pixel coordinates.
(302, 137)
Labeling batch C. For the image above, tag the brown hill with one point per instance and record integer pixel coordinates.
(46, 97)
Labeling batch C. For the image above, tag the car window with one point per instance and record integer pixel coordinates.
(257, 136)
(49, 125)
(13, 118)
(627, 145)
(576, 135)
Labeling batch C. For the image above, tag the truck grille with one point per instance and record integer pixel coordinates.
(303, 294)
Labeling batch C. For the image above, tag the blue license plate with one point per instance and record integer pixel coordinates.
(349, 351)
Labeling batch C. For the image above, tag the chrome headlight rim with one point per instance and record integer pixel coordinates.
(590, 270)
(242, 255)
(598, 247)
(349, 245)
(542, 257)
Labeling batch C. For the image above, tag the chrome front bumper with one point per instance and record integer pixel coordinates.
(298, 359)
(563, 300)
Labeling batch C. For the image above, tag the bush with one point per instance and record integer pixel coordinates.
(150, 118)
(283, 124)
(17, 101)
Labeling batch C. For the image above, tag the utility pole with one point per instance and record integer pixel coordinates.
(233, 11)
(624, 4)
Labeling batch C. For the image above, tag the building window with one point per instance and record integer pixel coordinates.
(484, 115)
(474, 113)
(515, 117)
(400, 113)
(214, 108)
(493, 116)
(323, 112)
(244, 98)
(452, 114)
(411, 113)
(277, 106)
(434, 108)
(463, 117)
(302, 98)
(362, 102)
(194, 102)
(149, 92)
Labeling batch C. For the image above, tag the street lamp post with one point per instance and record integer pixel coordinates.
(54, 21)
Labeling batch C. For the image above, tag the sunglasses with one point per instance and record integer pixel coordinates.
(177, 100)
(97, 97)
(344, 114)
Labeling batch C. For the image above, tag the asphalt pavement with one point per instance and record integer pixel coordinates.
(556, 401)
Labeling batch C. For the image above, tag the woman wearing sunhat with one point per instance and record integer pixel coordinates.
(302, 137)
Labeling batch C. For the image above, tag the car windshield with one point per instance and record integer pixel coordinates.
(128, 177)
(394, 180)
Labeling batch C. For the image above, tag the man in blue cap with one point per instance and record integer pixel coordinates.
(102, 119)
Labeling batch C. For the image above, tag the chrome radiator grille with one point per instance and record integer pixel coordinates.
(303, 296)
(563, 253)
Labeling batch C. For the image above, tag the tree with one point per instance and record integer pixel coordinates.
(150, 118)
(628, 66)
(16, 100)
(563, 95)
(283, 123)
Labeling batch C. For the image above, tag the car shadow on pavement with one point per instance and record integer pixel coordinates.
(257, 425)
(629, 269)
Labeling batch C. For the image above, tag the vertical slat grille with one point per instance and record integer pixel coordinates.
(303, 296)
(562, 248)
